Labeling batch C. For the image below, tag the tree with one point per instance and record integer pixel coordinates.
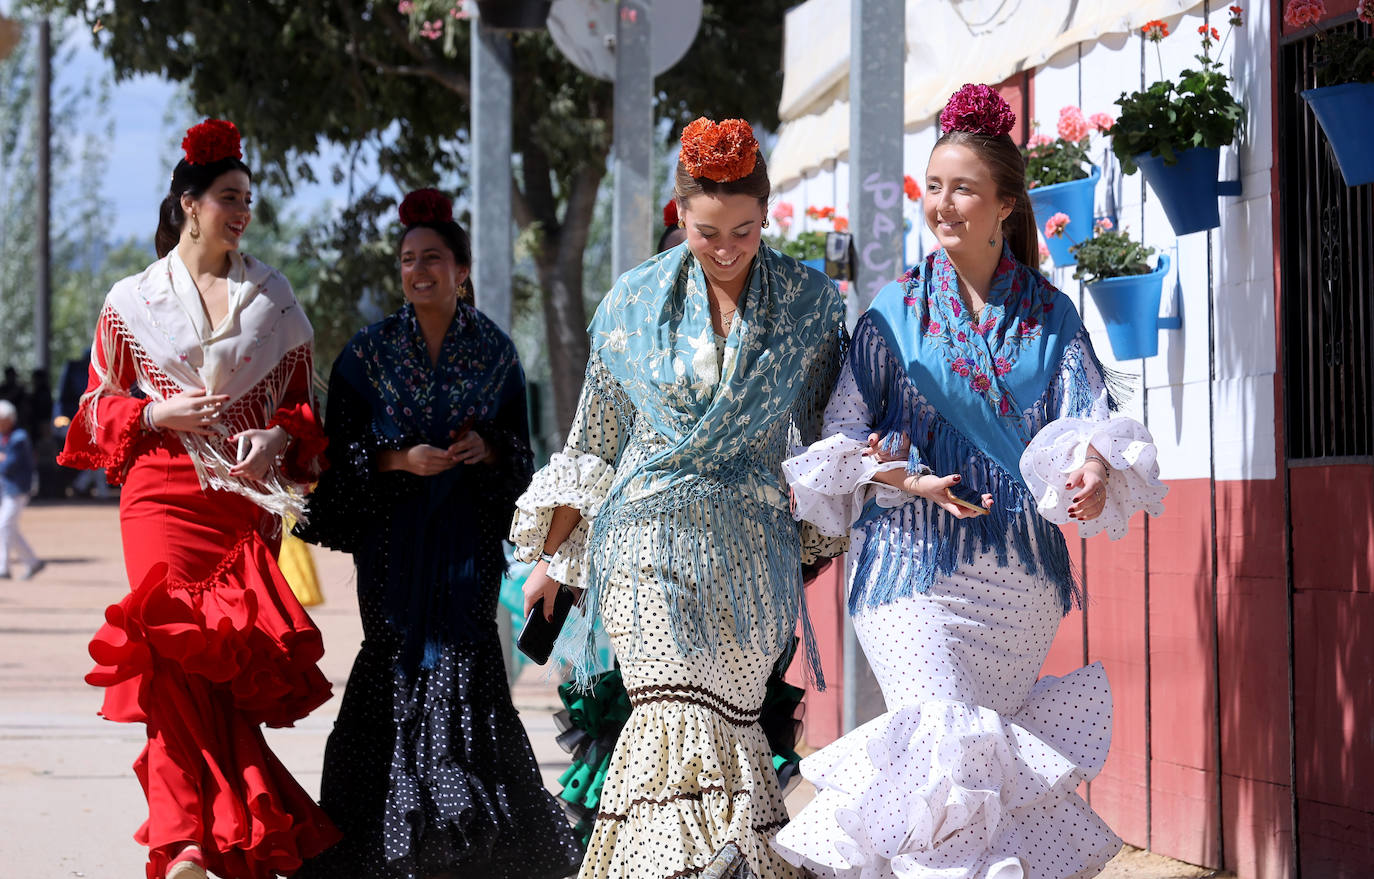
(358, 74)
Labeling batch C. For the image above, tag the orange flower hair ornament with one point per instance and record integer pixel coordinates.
(720, 152)
(211, 141)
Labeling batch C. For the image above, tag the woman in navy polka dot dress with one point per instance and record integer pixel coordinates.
(971, 420)
(428, 772)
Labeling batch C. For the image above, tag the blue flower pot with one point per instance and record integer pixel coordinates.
(1346, 114)
(817, 264)
(1187, 189)
(1074, 198)
(1129, 305)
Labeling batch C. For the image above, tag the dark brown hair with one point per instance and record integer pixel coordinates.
(455, 238)
(192, 180)
(754, 184)
(1008, 167)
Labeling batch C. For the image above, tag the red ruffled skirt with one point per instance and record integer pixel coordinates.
(210, 644)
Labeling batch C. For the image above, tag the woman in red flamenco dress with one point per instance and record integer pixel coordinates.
(199, 402)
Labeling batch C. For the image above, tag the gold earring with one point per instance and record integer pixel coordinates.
(765, 222)
(681, 224)
(195, 227)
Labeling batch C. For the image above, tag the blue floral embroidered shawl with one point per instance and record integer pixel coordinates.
(970, 396)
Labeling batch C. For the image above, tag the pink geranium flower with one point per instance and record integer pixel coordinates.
(1301, 14)
(1105, 224)
(1039, 139)
(1102, 122)
(1364, 11)
(1054, 226)
(405, 7)
(1072, 125)
(1044, 252)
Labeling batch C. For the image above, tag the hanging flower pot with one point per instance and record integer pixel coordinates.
(1129, 305)
(1346, 114)
(1187, 189)
(1073, 199)
(515, 15)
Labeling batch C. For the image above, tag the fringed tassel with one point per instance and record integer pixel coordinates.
(907, 547)
(755, 568)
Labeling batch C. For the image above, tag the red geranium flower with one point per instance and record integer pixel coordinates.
(911, 188)
(211, 141)
(425, 206)
(1154, 30)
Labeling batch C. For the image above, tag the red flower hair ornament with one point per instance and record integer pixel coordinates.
(425, 206)
(670, 214)
(211, 141)
(720, 152)
(978, 109)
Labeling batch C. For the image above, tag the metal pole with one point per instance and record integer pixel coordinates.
(42, 300)
(492, 247)
(634, 124)
(877, 52)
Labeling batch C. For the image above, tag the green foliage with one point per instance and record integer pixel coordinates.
(807, 245)
(1058, 161)
(1343, 56)
(1111, 253)
(1168, 117)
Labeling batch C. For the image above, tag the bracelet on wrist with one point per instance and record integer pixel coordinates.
(1106, 468)
(546, 558)
(148, 423)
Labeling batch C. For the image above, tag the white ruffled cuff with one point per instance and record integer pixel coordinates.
(1133, 485)
(832, 480)
(578, 481)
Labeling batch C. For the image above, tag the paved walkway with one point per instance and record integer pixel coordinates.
(69, 799)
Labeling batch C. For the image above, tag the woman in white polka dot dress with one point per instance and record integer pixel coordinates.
(668, 505)
(971, 375)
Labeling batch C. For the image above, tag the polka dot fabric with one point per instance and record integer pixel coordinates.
(692, 769)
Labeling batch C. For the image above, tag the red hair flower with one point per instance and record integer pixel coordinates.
(670, 214)
(1154, 30)
(211, 141)
(721, 152)
(978, 109)
(425, 206)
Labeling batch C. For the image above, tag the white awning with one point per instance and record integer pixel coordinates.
(948, 43)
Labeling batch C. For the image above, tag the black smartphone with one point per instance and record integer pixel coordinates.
(538, 634)
(967, 498)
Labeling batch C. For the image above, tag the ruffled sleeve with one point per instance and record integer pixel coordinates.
(1084, 419)
(579, 477)
(108, 425)
(833, 479)
(304, 459)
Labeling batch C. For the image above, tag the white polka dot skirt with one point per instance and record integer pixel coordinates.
(973, 770)
(692, 769)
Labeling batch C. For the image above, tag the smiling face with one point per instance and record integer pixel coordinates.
(430, 274)
(723, 233)
(222, 212)
(962, 205)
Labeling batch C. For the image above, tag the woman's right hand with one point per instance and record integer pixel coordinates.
(422, 460)
(935, 489)
(539, 585)
(190, 411)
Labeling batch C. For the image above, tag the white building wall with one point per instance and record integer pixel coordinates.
(1240, 349)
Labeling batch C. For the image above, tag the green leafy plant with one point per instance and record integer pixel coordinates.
(807, 245)
(1110, 253)
(1341, 56)
(1169, 117)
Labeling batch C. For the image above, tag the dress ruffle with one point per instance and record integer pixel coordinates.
(833, 479)
(203, 664)
(711, 786)
(949, 790)
(1133, 485)
(579, 481)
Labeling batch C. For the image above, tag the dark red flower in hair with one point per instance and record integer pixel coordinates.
(670, 213)
(211, 141)
(425, 206)
(721, 152)
(979, 109)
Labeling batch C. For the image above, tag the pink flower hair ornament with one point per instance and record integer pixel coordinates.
(978, 109)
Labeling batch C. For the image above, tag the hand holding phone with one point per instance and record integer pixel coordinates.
(976, 508)
(538, 634)
(245, 446)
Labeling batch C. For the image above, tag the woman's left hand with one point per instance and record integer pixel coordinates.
(1091, 497)
(264, 446)
(470, 448)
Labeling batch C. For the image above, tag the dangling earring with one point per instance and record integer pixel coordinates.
(765, 222)
(681, 224)
(195, 227)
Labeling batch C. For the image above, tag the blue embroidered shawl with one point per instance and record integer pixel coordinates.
(653, 335)
(970, 396)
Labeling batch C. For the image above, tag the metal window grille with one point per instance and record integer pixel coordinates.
(1326, 241)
